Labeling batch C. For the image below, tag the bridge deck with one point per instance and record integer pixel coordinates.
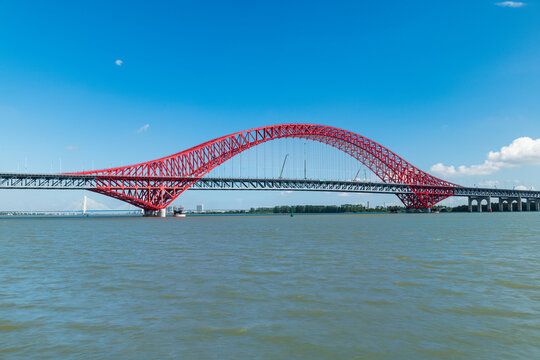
(88, 182)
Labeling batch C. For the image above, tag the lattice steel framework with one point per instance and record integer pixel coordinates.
(152, 185)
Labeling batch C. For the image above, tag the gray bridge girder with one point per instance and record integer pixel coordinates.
(88, 182)
(299, 185)
(46, 181)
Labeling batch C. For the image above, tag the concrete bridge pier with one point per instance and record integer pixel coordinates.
(479, 200)
(536, 203)
(518, 201)
(509, 201)
(155, 213)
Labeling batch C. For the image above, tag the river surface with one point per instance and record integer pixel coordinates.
(407, 286)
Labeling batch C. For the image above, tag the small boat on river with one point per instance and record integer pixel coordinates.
(177, 212)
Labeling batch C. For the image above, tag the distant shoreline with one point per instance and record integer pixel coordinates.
(276, 210)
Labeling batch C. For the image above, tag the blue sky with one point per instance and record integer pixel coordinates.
(440, 83)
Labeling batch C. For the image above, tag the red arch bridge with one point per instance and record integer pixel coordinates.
(155, 184)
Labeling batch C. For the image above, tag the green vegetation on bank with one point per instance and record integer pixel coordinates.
(323, 209)
(351, 209)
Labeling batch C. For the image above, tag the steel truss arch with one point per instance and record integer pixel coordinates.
(135, 184)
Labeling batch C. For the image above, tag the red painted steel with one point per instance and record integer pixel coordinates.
(155, 184)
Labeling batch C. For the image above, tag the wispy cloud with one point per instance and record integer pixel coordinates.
(119, 62)
(522, 151)
(143, 128)
(522, 187)
(451, 171)
(489, 183)
(71, 147)
(511, 4)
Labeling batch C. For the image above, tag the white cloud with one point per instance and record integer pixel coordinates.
(489, 183)
(523, 187)
(511, 4)
(72, 147)
(119, 62)
(143, 128)
(522, 151)
(486, 168)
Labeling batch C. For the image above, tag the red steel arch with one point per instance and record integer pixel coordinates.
(155, 184)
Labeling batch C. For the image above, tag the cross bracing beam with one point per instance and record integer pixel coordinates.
(112, 182)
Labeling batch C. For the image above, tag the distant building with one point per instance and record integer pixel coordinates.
(200, 208)
(169, 209)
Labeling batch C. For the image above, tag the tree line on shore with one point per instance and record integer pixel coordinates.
(353, 208)
(320, 209)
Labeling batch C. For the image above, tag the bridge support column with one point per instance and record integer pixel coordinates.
(149, 213)
(488, 204)
(528, 204)
(501, 208)
(470, 204)
(155, 213)
(520, 207)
